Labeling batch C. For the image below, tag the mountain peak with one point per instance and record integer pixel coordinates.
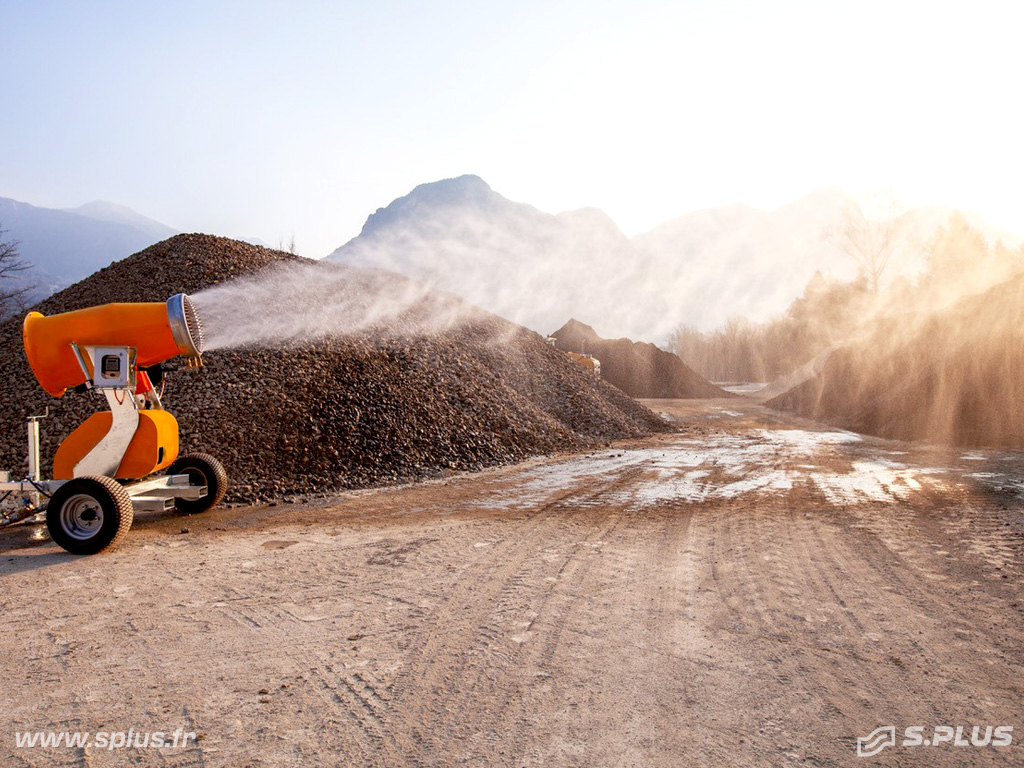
(99, 208)
(104, 210)
(458, 192)
(457, 189)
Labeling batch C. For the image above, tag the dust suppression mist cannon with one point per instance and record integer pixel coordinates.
(106, 469)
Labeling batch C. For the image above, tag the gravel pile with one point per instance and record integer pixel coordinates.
(952, 378)
(637, 368)
(336, 412)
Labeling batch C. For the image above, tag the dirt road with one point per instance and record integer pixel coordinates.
(754, 590)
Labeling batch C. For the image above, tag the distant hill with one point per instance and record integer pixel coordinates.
(637, 368)
(102, 210)
(536, 268)
(67, 245)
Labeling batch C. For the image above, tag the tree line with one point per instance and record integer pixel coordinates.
(957, 261)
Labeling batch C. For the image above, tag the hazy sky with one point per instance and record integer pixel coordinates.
(267, 119)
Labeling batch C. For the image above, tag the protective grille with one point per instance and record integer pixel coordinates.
(185, 325)
(195, 328)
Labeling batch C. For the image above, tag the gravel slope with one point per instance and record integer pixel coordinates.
(335, 412)
(638, 368)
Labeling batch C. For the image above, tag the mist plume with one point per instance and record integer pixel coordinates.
(301, 302)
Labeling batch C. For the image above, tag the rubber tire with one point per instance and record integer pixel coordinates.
(202, 469)
(75, 497)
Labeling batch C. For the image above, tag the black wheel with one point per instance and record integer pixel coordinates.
(202, 469)
(89, 514)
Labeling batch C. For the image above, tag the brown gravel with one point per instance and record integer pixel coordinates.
(639, 369)
(339, 412)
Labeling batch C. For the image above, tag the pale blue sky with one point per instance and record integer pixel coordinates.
(261, 119)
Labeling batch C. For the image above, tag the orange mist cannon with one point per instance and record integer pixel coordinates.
(104, 470)
(155, 331)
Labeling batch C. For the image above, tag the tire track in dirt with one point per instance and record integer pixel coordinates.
(451, 673)
(572, 641)
(780, 583)
(738, 529)
(860, 656)
(883, 641)
(554, 614)
(883, 655)
(834, 659)
(772, 567)
(267, 625)
(919, 603)
(374, 734)
(365, 709)
(673, 624)
(547, 610)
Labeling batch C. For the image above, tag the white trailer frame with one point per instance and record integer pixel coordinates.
(154, 494)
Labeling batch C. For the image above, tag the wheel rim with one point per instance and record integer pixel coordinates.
(81, 517)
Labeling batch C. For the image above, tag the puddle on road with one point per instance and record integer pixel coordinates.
(725, 466)
(773, 461)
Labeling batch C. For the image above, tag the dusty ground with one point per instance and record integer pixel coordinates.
(755, 590)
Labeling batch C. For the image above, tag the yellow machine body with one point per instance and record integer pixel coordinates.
(154, 446)
(49, 340)
(586, 361)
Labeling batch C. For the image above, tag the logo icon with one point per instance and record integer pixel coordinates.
(876, 741)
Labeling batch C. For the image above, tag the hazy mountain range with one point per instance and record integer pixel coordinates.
(538, 269)
(67, 245)
(529, 266)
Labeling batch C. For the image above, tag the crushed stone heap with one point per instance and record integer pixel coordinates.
(335, 412)
(637, 368)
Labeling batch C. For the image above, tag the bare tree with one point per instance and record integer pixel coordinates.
(288, 247)
(12, 290)
(869, 238)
